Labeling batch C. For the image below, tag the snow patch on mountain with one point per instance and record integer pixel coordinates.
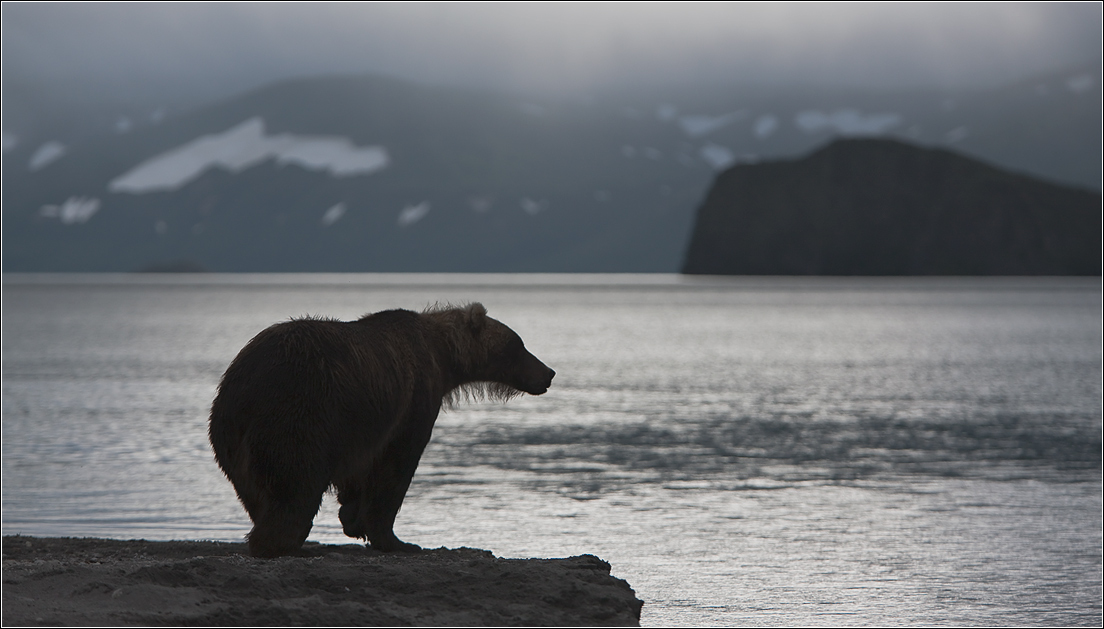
(413, 213)
(532, 207)
(847, 122)
(765, 125)
(957, 134)
(74, 210)
(333, 214)
(243, 147)
(481, 202)
(46, 154)
(717, 156)
(699, 125)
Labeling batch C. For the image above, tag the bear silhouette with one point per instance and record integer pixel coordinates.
(315, 403)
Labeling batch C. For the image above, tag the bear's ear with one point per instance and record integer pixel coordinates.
(476, 316)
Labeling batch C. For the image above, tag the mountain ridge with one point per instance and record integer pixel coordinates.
(474, 180)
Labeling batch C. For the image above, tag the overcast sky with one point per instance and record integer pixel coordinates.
(577, 47)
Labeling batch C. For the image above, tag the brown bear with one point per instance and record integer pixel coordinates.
(316, 403)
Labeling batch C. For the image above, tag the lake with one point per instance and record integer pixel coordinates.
(744, 451)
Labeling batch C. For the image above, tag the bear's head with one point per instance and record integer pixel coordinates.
(491, 358)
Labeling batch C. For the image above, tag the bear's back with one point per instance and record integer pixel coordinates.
(299, 347)
(369, 364)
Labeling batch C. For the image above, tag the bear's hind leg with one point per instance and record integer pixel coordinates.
(282, 526)
(353, 513)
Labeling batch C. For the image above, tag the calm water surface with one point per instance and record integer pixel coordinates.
(742, 451)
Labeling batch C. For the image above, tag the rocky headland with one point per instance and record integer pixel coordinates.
(885, 207)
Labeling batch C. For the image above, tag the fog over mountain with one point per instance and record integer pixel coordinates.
(207, 51)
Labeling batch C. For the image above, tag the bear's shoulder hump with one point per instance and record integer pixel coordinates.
(390, 317)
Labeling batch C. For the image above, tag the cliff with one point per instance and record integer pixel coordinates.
(883, 207)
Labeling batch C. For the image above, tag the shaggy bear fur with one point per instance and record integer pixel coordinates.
(314, 403)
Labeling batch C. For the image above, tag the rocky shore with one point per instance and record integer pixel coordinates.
(63, 581)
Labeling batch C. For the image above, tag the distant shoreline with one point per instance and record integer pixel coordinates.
(91, 581)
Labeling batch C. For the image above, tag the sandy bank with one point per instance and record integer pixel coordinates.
(107, 582)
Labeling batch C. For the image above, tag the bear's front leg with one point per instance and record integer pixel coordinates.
(358, 520)
(382, 506)
(386, 488)
(387, 542)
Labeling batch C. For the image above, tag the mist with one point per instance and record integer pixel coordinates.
(211, 50)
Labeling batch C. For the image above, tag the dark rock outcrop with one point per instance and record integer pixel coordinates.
(883, 207)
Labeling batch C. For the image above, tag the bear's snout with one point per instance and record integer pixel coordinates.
(542, 387)
(540, 376)
(547, 381)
